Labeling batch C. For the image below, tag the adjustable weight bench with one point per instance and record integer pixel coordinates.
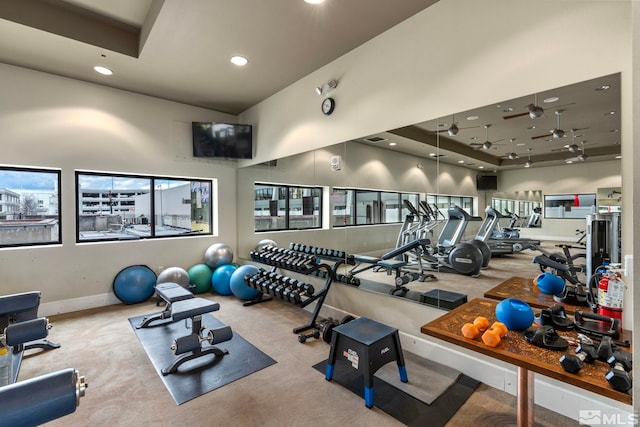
(191, 346)
(170, 293)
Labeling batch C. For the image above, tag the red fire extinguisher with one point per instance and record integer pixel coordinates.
(610, 295)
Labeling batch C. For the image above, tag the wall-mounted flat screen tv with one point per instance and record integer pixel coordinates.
(486, 182)
(222, 140)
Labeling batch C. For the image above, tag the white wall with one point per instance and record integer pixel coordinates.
(57, 122)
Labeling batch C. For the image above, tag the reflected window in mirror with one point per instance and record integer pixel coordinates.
(365, 207)
(442, 202)
(569, 205)
(286, 207)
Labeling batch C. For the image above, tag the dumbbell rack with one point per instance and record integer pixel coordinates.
(272, 284)
(337, 257)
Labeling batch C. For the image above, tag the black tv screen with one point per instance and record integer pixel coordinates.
(222, 140)
(486, 182)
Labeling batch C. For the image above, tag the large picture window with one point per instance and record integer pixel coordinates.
(29, 207)
(287, 207)
(123, 207)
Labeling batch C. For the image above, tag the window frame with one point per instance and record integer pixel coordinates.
(156, 184)
(55, 192)
(284, 197)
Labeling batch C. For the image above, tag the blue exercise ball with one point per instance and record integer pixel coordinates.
(134, 284)
(515, 314)
(220, 280)
(239, 287)
(549, 283)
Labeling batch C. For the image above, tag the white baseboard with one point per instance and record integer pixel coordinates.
(77, 304)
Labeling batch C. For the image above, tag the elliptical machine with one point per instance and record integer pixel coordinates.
(449, 255)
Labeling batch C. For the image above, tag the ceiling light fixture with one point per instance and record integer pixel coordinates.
(551, 99)
(239, 60)
(325, 88)
(314, 1)
(103, 70)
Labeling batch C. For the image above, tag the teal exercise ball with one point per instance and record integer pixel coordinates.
(239, 286)
(134, 284)
(549, 283)
(200, 277)
(221, 279)
(516, 314)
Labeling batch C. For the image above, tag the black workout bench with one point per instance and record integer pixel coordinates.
(170, 293)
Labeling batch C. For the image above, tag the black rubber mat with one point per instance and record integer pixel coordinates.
(204, 374)
(400, 405)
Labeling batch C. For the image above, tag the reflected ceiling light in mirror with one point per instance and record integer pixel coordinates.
(103, 70)
(393, 144)
(314, 1)
(603, 87)
(551, 99)
(473, 118)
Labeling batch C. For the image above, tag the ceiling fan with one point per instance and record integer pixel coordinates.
(557, 133)
(533, 110)
(486, 144)
(580, 157)
(512, 155)
(453, 129)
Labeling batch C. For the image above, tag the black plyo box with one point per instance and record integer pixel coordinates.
(443, 299)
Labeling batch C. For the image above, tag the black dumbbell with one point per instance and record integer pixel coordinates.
(308, 289)
(618, 376)
(304, 337)
(573, 363)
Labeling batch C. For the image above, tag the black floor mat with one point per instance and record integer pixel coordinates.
(400, 405)
(198, 376)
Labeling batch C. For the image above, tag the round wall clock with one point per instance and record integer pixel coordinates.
(328, 105)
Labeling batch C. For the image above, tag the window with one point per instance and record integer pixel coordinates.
(29, 207)
(124, 207)
(366, 207)
(287, 207)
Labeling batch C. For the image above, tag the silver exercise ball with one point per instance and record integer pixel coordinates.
(264, 243)
(174, 275)
(218, 254)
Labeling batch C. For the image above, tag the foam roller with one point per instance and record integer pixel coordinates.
(38, 400)
(30, 330)
(219, 335)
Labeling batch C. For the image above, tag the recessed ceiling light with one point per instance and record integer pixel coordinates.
(610, 113)
(520, 144)
(551, 99)
(480, 167)
(460, 161)
(314, 1)
(473, 118)
(432, 154)
(603, 87)
(614, 130)
(393, 144)
(508, 110)
(103, 70)
(239, 60)
(618, 157)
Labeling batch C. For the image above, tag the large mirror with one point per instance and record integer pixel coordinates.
(558, 141)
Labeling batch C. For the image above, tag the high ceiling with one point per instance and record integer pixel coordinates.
(180, 50)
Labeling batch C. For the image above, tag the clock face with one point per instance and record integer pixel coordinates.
(328, 106)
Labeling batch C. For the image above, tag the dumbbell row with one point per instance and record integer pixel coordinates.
(283, 287)
(285, 258)
(324, 252)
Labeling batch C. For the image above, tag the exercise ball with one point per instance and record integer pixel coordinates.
(264, 243)
(134, 284)
(514, 313)
(218, 254)
(221, 279)
(549, 283)
(239, 287)
(200, 277)
(174, 275)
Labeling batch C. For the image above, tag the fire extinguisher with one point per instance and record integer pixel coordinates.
(610, 295)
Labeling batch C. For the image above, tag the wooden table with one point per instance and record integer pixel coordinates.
(528, 358)
(524, 289)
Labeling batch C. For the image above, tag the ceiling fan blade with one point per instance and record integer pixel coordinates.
(546, 135)
(513, 116)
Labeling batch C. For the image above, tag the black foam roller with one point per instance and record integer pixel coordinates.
(29, 330)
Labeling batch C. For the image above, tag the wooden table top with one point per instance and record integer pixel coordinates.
(524, 289)
(515, 350)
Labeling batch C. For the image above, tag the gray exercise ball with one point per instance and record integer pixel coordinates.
(174, 275)
(264, 243)
(218, 254)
